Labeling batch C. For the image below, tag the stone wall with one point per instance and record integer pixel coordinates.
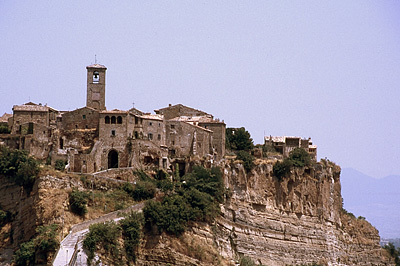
(83, 118)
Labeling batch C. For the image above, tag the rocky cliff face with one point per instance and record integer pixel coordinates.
(298, 220)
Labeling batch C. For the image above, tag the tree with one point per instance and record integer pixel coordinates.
(238, 139)
(247, 159)
(300, 157)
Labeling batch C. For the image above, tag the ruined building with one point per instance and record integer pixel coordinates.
(284, 145)
(93, 138)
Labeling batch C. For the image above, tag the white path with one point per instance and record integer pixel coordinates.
(71, 248)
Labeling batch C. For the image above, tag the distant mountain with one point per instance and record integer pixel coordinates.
(376, 199)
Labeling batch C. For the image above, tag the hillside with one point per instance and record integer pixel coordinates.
(293, 221)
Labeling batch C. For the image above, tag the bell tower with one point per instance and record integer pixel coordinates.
(96, 87)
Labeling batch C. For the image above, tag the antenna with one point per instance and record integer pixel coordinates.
(133, 105)
(95, 59)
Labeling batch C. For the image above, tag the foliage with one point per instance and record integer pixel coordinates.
(196, 199)
(44, 242)
(4, 129)
(246, 261)
(19, 167)
(247, 159)
(60, 165)
(238, 139)
(300, 157)
(350, 214)
(393, 252)
(206, 180)
(25, 255)
(78, 202)
(165, 185)
(102, 236)
(282, 169)
(132, 232)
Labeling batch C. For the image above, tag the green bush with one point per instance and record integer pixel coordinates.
(246, 261)
(103, 236)
(300, 157)
(165, 185)
(247, 159)
(78, 202)
(19, 167)
(238, 139)
(25, 255)
(197, 199)
(45, 241)
(143, 190)
(60, 165)
(4, 129)
(132, 233)
(282, 169)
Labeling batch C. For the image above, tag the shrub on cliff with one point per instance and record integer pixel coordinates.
(37, 248)
(78, 202)
(197, 199)
(247, 159)
(282, 169)
(4, 129)
(132, 232)
(103, 236)
(238, 139)
(300, 157)
(19, 167)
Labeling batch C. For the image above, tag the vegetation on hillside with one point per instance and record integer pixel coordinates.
(19, 167)
(393, 252)
(78, 202)
(238, 139)
(36, 250)
(299, 157)
(196, 198)
(104, 238)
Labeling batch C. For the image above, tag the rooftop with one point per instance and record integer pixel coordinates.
(96, 66)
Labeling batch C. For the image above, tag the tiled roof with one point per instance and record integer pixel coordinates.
(31, 108)
(115, 111)
(96, 66)
(152, 117)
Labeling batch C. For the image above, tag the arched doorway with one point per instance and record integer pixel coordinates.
(113, 159)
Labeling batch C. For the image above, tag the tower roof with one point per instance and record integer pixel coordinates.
(96, 66)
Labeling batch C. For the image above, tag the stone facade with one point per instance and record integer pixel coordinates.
(93, 138)
(284, 145)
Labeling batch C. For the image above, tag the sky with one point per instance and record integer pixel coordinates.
(329, 70)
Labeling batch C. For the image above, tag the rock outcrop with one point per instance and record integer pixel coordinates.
(296, 221)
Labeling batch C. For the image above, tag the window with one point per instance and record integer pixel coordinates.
(136, 135)
(119, 120)
(159, 137)
(136, 120)
(84, 116)
(113, 120)
(150, 136)
(150, 123)
(96, 77)
(107, 120)
(172, 126)
(173, 142)
(113, 132)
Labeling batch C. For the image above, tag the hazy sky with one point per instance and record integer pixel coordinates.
(329, 70)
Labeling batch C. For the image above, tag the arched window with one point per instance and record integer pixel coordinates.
(119, 120)
(96, 77)
(113, 120)
(107, 119)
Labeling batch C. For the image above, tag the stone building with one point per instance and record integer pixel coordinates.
(285, 144)
(92, 138)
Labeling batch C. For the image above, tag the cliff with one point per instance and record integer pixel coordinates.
(298, 220)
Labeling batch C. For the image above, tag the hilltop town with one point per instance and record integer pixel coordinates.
(92, 138)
